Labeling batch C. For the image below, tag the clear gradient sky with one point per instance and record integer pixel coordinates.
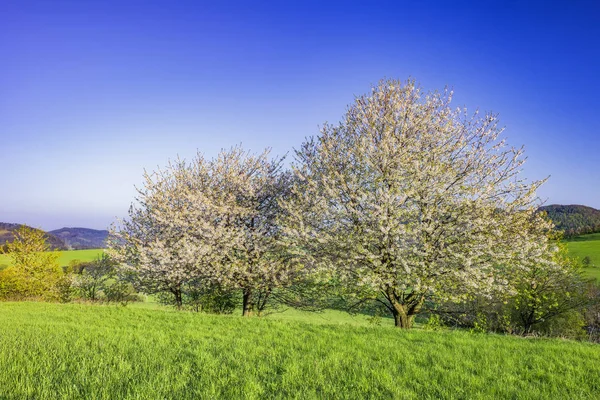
(93, 92)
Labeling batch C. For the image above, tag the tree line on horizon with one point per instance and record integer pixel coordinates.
(408, 207)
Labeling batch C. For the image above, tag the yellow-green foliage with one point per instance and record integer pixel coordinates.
(545, 293)
(34, 270)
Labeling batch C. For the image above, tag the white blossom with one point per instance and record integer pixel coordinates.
(208, 221)
(408, 196)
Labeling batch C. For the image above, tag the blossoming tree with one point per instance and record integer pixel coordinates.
(211, 223)
(408, 196)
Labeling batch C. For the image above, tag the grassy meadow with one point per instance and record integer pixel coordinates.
(73, 351)
(587, 245)
(65, 256)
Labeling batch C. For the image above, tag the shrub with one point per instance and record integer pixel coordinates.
(570, 324)
(65, 289)
(92, 277)
(120, 292)
(213, 300)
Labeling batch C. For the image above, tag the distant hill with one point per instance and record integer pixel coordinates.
(81, 238)
(574, 219)
(7, 235)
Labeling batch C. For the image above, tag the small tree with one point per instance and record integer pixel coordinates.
(548, 300)
(587, 261)
(92, 276)
(545, 293)
(35, 270)
(408, 196)
(119, 291)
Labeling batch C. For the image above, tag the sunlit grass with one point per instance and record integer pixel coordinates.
(66, 256)
(51, 351)
(587, 246)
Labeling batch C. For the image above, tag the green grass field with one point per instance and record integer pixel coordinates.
(72, 351)
(65, 256)
(587, 245)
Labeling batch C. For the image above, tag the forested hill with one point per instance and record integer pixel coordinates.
(574, 219)
(62, 239)
(82, 238)
(7, 235)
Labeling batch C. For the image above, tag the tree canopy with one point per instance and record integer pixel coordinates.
(409, 196)
(34, 270)
(209, 223)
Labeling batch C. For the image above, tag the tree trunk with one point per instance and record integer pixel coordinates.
(404, 307)
(178, 298)
(401, 317)
(247, 303)
(261, 303)
(527, 325)
(528, 321)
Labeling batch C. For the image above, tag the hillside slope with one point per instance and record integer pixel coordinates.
(7, 235)
(574, 219)
(82, 238)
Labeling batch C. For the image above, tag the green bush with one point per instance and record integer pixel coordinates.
(65, 289)
(212, 300)
(570, 325)
(120, 292)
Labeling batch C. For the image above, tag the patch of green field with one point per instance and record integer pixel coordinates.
(82, 255)
(593, 272)
(584, 238)
(587, 245)
(51, 351)
(66, 256)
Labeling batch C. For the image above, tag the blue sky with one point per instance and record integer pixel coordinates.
(91, 93)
